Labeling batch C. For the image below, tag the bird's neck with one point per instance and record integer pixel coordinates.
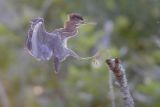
(70, 26)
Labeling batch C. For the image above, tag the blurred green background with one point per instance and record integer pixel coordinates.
(128, 29)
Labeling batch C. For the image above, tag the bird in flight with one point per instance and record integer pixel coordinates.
(45, 45)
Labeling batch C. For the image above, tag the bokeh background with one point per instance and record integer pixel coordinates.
(128, 29)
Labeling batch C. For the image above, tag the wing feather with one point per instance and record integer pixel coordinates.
(37, 40)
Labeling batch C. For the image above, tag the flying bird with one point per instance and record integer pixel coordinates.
(45, 45)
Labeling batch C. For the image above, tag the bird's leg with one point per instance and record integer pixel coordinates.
(72, 53)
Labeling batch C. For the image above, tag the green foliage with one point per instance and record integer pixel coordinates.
(135, 40)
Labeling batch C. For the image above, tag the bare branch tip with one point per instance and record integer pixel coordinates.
(117, 60)
(108, 61)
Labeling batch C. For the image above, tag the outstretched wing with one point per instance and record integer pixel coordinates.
(37, 40)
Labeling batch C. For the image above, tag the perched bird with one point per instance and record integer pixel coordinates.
(45, 45)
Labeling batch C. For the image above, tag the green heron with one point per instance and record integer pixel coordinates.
(45, 45)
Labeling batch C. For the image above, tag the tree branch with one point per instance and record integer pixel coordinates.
(111, 90)
(117, 69)
(3, 96)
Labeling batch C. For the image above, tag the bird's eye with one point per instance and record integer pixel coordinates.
(76, 17)
(80, 18)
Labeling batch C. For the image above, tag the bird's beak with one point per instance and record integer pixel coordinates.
(85, 22)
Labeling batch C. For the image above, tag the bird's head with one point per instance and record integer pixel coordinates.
(76, 18)
(74, 21)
